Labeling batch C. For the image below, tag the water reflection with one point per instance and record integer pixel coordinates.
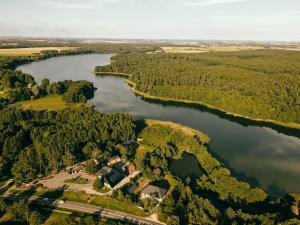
(264, 154)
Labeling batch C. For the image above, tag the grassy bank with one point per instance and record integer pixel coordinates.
(54, 102)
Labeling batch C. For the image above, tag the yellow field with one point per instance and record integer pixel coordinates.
(30, 51)
(199, 49)
(221, 48)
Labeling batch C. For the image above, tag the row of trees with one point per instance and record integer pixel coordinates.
(187, 206)
(20, 213)
(260, 84)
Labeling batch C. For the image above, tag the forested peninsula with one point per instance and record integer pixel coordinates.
(246, 83)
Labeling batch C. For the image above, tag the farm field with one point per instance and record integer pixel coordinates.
(199, 49)
(30, 51)
(225, 48)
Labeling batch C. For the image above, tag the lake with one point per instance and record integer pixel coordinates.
(264, 155)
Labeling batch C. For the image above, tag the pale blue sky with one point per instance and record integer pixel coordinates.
(167, 19)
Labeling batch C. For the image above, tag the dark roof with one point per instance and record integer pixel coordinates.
(157, 191)
(120, 166)
(113, 178)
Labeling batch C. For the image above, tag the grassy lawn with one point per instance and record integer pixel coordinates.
(45, 103)
(104, 190)
(55, 218)
(172, 181)
(142, 150)
(103, 201)
(123, 206)
(53, 102)
(176, 126)
(82, 197)
(142, 184)
(77, 180)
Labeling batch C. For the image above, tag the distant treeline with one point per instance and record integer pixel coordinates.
(262, 84)
(95, 47)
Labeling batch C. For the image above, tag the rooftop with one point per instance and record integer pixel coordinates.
(104, 170)
(151, 189)
(113, 178)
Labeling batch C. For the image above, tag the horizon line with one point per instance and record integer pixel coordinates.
(146, 39)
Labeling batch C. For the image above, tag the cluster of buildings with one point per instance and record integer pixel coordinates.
(117, 169)
(114, 172)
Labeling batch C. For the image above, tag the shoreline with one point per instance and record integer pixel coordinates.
(165, 99)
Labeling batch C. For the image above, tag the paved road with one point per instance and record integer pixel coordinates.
(86, 208)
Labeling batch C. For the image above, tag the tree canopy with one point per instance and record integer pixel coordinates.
(262, 84)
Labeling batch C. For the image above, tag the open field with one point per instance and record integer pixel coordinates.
(45, 103)
(81, 197)
(30, 51)
(55, 218)
(53, 102)
(227, 48)
(175, 126)
(199, 49)
(142, 151)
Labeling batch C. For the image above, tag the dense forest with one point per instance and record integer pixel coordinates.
(35, 143)
(262, 84)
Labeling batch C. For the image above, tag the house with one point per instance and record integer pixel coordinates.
(121, 167)
(113, 160)
(104, 171)
(112, 178)
(153, 191)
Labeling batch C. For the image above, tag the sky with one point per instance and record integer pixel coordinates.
(264, 20)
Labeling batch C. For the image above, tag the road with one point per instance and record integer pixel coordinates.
(85, 208)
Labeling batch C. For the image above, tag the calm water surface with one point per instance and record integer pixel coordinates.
(260, 155)
(190, 164)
